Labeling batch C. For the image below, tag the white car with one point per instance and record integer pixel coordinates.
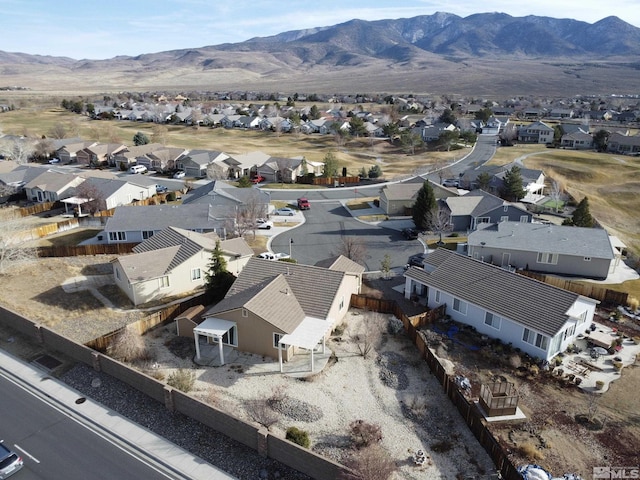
(286, 211)
(53, 161)
(264, 224)
(179, 174)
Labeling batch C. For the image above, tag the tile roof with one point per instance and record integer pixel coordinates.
(315, 288)
(530, 303)
(535, 237)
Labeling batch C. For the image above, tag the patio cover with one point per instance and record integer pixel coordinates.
(212, 328)
(307, 335)
(78, 201)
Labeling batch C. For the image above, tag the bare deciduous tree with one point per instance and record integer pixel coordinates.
(159, 134)
(58, 131)
(261, 413)
(440, 220)
(352, 248)
(12, 249)
(368, 336)
(557, 189)
(216, 172)
(95, 198)
(370, 463)
(20, 150)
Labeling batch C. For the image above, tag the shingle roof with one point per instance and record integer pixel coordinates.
(531, 303)
(535, 237)
(315, 288)
(147, 265)
(222, 194)
(158, 217)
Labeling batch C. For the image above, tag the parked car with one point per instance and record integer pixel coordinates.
(137, 169)
(53, 161)
(161, 189)
(264, 224)
(179, 174)
(415, 260)
(10, 462)
(410, 234)
(257, 179)
(451, 182)
(273, 256)
(285, 211)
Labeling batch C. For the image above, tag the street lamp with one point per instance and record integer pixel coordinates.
(290, 243)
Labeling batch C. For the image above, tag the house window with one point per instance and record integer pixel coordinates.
(505, 208)
(341, 303)
(437, 296)
(118, 236)
(230, 337)
(549, 258)
(245, 313)
(196, 274)
(524, 218)
(164, 282)
(147, 234)
(492, 320)
(276, 341)
(460, 306)
(582, 317)
(536, 339)
(504, 218)
(587, 259)
(117, 273)
(483, 220)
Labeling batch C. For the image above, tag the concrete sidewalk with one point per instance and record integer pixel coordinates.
(174, 461)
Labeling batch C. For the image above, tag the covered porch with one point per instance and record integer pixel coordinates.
(309, 335)
(222, 332)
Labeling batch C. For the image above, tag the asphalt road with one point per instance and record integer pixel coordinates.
(327, 223)
(54, 446)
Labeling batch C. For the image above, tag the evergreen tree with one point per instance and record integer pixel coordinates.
(424, 207)
(330, 165)
(140, 139)
(581, 216)
(600, 139)
(218, 279)
(314, 113)
(484, 180)
(512, 189)
(375, 171)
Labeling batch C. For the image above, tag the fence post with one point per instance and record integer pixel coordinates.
(168, 398)
(95, 361)
(263, 442)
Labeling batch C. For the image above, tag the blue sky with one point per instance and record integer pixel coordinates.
(106, 28)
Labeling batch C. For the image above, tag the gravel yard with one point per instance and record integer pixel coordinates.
(391, 388)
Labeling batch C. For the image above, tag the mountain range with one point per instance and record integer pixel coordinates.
(487, 53)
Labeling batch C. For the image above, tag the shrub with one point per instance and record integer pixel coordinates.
(364, 434)
(261, 413)
(171, 197)
(515, 361)
(529, 451)
(128, 346)
(301, 437)
(182, 380)
(633, 303)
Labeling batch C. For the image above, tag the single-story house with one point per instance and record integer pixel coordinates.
(134, 224)
(478, 206)
(125, 158)
(174, 262)
(110, 193)
(539, 319)
(68, 153)
(195, 162)
(51, 186)
(555, 249)
(626, 144)
(228, 201)
(398, 198)
(577, 140)
(276, 308)
(278, 169)
(161, 160)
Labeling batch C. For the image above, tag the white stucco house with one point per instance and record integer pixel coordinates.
(174, 262)
(535, 317)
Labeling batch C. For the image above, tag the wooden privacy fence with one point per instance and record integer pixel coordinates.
(591, 290)
(38, 208)
(467, 409)
(328, 181)
(78, 250)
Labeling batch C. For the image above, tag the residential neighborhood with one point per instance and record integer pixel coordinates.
(338, 268)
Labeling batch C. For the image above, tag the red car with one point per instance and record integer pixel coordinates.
(257, 179)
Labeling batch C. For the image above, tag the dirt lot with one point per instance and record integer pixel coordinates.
(554, 435)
